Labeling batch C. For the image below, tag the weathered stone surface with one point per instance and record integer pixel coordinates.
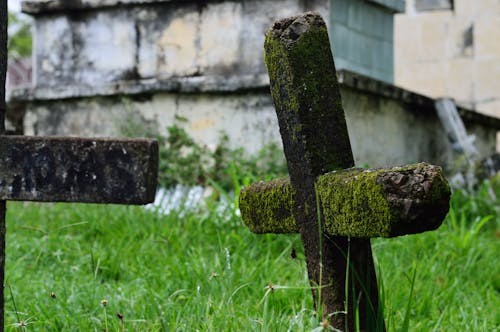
(267, 207)
(356, 202)
(252, 118)
(155, 55)
(387, 125)
(86, 170)
(312, 123)
(307, 98)
(138, 43)
(3, 71)
(142, 45)
(42, 6)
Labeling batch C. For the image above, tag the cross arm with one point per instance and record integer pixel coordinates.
(73, 169)
(355, 202)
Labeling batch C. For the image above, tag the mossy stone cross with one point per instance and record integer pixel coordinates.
(335, 208)
(69, 169)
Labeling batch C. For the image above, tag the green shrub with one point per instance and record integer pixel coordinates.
(184, 161)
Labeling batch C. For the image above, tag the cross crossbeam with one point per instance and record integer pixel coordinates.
(362, 203)
(336, 209)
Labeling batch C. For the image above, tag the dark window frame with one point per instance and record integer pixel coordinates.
(429, 5)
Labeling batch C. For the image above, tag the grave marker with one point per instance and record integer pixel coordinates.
(69, 169)
(354, 205)
(3, 73)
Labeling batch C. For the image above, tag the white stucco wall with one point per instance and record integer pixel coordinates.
(99, 69)
(451, 53)
(159, 41)
(383, 131)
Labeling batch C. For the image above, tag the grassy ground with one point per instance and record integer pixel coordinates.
(205, 271)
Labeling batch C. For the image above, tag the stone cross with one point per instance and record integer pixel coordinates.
(64, 169)
(335, 208)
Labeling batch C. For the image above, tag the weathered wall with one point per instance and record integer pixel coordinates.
(197, 59)
(385, 128)
(247, 118)
(105, 66)
(158, 41)
(386, 132)
(90, 47)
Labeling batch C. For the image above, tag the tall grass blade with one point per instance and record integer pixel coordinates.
(406, 321)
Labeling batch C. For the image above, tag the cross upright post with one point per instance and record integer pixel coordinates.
(336, 211)
(3, 73)
(69, 169)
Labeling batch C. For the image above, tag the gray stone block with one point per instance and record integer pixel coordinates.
(63, 169)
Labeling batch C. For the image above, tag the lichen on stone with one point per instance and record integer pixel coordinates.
(384, 202)
(266, 207)
(355, 202)
(305, 91)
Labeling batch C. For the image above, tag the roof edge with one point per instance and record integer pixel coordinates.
(396, 6)
(190, 84)
(370, 85)
(39, 7)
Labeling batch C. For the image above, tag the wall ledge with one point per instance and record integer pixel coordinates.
(235, 84)
(424, 103)
(395, 6)
(39, 7)
(194, 84)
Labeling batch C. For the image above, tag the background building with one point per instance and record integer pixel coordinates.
(103, 65)
(450, 48)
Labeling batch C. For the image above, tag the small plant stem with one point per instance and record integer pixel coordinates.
(14, 303)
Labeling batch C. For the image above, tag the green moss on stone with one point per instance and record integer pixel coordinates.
(354, 204)
(266, 207)
(280, 75)
(306, 93)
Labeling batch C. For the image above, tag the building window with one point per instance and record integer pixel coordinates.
(393, 5)
(425, 5)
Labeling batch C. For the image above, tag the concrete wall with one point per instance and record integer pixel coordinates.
(84, 45)
(159, 41)
(451, 52)
(102, 66)
(386, 131)
(248, 118)
(387, 125)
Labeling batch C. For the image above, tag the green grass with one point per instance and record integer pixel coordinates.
(202, 271)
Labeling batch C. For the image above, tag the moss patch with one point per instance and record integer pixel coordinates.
(306, 94)
(354, 205)
(356, 202)
(266, 207)
(384, 202)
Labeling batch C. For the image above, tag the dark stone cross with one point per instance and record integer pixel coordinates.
(335, 208)
(64, 169)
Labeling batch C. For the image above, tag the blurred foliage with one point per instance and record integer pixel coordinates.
(20, 39)
(186, 162)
